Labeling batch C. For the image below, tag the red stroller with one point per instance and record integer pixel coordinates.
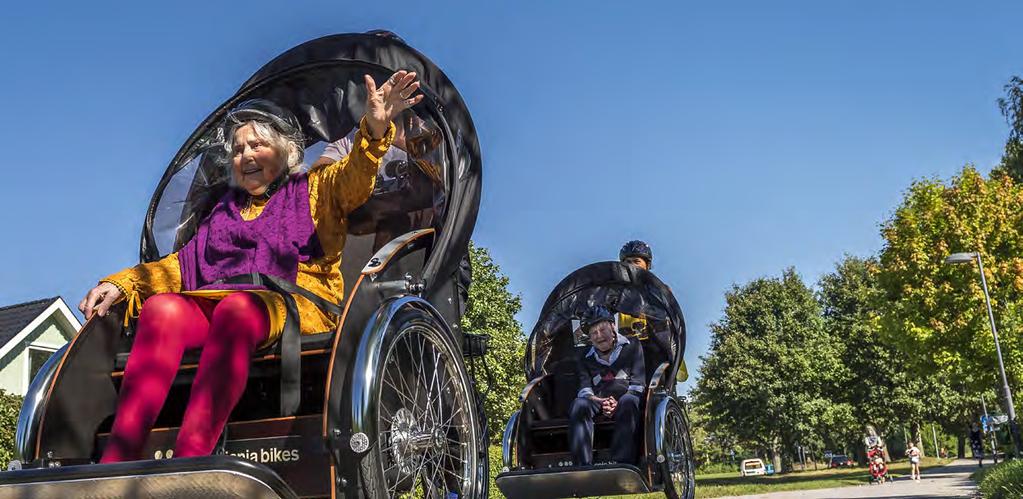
(878, 468)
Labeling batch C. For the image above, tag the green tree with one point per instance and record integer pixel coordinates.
(10, 405)
(491, 310)
(711, 449)
(934, 312)
(1012, 108)
(770, 367)
(876, 385)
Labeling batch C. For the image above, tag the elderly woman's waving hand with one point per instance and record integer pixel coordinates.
(386, 102)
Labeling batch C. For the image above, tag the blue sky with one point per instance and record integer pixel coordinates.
(737, 138)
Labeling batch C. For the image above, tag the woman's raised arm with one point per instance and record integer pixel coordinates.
(349, 182)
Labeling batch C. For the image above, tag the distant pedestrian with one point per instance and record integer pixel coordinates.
(914, 460)
(977, 444)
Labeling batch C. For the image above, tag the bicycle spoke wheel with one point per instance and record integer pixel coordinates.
(427, 428)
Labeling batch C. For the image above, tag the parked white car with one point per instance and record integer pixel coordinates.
(752, 467)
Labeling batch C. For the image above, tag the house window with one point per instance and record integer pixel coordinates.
(36, 358)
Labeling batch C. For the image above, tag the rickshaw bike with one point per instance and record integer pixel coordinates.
(381, 407)
(535, 452)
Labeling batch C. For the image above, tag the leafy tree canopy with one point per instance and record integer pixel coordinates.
(491, 310)
(770, 366)
(880, 385)
(934, 312)
(1012, 108)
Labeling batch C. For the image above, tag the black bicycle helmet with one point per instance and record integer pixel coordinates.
(281, 119)
(594, 315)
(637, 248)
(266, 111)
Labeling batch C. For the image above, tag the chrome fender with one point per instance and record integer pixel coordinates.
(32, 408)
(365, 382)
(656, 431)
(508, 441)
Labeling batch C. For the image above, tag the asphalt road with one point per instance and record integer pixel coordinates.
(952, 480)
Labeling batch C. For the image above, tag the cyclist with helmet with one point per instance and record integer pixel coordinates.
(636, 253)
(612, 377)
(639, 254)
(275, 220)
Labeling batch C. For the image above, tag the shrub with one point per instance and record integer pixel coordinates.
(712, 468)
(10, 405)
(1004, 481)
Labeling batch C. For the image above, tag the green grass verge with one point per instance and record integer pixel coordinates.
(731, 484)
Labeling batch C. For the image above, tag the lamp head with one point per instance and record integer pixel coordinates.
(961, 257)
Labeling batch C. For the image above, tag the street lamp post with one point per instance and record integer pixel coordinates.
(1011, 410)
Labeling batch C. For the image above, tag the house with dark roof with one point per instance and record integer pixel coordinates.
(29, 333)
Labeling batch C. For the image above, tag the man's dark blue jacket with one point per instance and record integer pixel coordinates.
(623, 371)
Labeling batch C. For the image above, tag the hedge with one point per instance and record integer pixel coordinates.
(10, 405)
(1004, 481)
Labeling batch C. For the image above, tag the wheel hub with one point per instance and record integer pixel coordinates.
(410, 442)
(426, 428)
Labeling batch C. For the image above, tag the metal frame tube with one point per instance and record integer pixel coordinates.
(508, 442)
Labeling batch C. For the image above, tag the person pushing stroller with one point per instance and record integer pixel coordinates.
(875, 459)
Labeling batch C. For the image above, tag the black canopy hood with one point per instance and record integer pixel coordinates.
(621, 288)
(321, 82)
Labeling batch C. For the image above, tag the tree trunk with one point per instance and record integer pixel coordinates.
(918, 436)
(858, 455)
(776, 456)
(961, 446)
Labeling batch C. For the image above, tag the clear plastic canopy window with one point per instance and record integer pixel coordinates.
(412, 184)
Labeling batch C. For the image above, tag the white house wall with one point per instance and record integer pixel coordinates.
(15, 371)
(50, 337)
(12, 376)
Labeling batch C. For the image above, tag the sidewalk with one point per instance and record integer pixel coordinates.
(952, 480)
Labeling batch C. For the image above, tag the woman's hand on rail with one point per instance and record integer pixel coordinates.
(99, 300)
(386, 102)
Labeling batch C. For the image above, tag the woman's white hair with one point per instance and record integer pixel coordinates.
(287, 147)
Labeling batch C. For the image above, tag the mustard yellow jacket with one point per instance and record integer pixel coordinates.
(335, 191)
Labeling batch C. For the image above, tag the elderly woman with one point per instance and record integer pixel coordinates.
(274, 221)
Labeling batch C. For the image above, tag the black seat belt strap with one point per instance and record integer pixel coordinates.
(291, 336)
(291, 358)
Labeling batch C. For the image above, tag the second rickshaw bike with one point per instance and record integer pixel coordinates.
(536, 458)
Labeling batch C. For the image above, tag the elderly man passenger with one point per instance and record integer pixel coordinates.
(611, 380)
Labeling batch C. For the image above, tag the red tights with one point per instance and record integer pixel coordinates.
(228, 332)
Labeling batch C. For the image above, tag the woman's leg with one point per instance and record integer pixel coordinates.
(168, 325)
(239, 324)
